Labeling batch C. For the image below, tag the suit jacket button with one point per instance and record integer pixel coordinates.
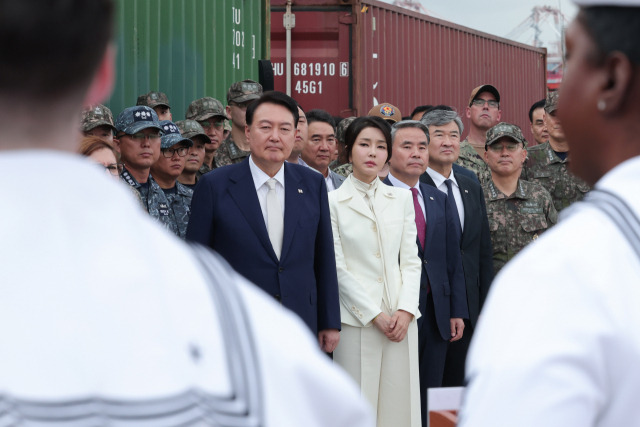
(278, 297)
(353, 307)
(425, 261)
(378, 255)
(360, 316)
(280, 270)
(379, 279)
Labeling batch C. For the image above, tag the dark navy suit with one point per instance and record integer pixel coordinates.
(442, 271)
(476, 252)
(226, 216)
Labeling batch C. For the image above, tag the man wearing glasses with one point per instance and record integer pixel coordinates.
(518, 210)
(210, 114)
(235, 148)
(483, 113)
(138, 134)
(166, 170)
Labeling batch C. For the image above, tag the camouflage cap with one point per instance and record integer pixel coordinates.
(96, 115)
(246, 90)
(484, 88)
(227, 125)
(386, 111)
(191, 128)
(504, 129)
(342, 127)
(551, 103)
(171, 135)
(153, 99)
(134, 119)
(204, 108)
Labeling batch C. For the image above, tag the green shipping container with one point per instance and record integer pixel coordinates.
(187, 48)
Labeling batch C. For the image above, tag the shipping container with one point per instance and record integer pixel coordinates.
(187, 48)
(348, 55)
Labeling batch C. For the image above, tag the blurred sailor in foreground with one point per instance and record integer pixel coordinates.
(105, 318)
(568, 355)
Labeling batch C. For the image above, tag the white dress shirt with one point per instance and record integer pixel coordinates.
(439, 179)
(397, 183)
(260, 181)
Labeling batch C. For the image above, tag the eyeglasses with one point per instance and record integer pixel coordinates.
(169, 152)
(209, 123)
(114, 169)
(510, 146)
(480, 102)
(139, 137)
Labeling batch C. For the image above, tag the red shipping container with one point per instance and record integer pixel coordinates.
(348, 55)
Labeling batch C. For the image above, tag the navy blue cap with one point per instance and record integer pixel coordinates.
(171, 135)
(134, 119)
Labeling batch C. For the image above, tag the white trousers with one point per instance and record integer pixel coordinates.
(387, 372)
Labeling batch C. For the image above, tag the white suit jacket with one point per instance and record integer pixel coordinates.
(362, 259)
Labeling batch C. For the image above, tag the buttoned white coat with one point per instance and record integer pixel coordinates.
(363, 255)
(378, 269)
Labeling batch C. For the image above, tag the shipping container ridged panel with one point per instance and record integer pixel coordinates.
(187, 48)
(410, 59)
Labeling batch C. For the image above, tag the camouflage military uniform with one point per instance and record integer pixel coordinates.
(470, 159)
(547, 169)
(344, 170)
(154, 200)
(204, 169)
(180, 208)
(518, 219)
(228, 153)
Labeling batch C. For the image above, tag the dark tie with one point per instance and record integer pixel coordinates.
(454, 206)
(421, 224)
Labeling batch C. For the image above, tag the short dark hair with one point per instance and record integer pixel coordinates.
(361, 123)
(534, 107)
(274, 97)
(51, 49)
(420, 109)
(613, 28)
(318, 115)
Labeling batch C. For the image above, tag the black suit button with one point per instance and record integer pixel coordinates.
(280, 270)
(278, 297)
(462, 251)
(425, 261)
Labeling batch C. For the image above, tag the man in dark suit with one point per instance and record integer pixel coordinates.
(270, 219)
(466, 198)
(443, 302)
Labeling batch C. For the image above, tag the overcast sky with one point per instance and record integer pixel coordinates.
(498, 17)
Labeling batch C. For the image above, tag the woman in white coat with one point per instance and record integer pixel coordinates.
(378, 267)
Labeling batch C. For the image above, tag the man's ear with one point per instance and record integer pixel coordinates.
(615, 86)
(103, 79)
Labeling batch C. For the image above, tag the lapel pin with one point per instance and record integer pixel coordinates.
(466, 191)
(430, 198)
(300, 190)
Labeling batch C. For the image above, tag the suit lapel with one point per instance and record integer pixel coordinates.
(243, 192)
(357, 203)
(294, 191)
